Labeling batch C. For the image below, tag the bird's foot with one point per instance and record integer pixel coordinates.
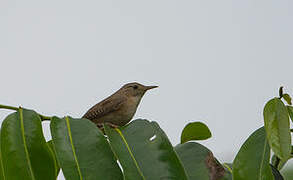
(101, 126)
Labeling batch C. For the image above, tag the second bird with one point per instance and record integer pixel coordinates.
(119, 108)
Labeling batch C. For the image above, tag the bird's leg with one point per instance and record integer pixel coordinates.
(100, 126)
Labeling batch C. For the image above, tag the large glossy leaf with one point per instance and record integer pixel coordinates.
(278, 128)
(199, 162)
(25, 154)
(82, 150)
(277, 175)
(195, 131)
(53, 151)
(252, 161)
(145, 152)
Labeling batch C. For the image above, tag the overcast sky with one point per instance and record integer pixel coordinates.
(214, 61)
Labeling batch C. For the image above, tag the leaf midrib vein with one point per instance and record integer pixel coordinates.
(24, 143)
(130, 152)
(72, 147)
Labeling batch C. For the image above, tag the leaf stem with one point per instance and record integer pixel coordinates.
(8, 107)
(43, 118)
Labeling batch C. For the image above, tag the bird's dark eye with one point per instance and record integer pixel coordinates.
(135, 87)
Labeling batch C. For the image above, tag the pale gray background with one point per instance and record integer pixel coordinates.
(215, 61)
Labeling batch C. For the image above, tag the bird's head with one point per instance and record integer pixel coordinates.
(135, 89)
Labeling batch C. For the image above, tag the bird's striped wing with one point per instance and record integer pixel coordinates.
(105, 107)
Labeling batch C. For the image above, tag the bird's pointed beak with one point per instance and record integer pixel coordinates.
(150, 87)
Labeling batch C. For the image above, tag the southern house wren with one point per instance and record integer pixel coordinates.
(119, 108)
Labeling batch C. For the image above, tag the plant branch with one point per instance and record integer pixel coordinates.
(43, 118)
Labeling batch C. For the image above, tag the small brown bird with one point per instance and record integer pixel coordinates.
(119, 108)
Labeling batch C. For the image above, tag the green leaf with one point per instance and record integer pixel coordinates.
(252, 161)
(290, 112)
(195, 131)
(25, 154)
(145, 152)
(287, 98)
(199, 162)
(53, 151)
(82, 150)
(278, 128)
